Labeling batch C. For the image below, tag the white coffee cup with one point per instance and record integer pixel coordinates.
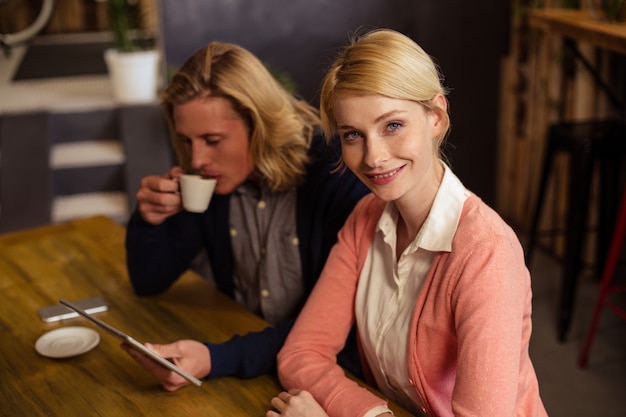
(196, 192)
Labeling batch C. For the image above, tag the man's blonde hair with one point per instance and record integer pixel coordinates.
(280, 126)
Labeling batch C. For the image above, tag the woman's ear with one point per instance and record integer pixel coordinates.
(441, 101)
(439, 112)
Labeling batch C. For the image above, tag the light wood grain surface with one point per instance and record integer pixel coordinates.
(86, 258)
(581, 26)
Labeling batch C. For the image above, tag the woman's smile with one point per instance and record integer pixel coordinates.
(385, 177)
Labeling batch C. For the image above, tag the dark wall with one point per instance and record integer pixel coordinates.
(301, 38)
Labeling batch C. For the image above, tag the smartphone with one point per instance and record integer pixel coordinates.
(60, 312)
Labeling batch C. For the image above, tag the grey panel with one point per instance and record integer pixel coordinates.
(144, 134)
(25, 193)
(81, 126)
(69, 181)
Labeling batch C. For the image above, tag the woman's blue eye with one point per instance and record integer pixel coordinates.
(351, 135)
(394, 126)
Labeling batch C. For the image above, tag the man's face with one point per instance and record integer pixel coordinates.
(217, 140)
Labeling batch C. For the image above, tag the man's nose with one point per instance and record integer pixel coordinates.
(200, 155)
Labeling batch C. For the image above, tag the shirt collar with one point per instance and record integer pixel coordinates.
(441, 223)
(252, 188)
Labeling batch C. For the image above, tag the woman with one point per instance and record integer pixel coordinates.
(433, 277)
(273, 218)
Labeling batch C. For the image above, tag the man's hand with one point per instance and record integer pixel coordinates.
(190, 355)
(158, 197)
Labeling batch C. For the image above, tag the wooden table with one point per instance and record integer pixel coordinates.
(581, 26)
(85, 258)
(576, 26)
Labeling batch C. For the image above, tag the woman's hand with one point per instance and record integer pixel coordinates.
(296, 403)
(158, 197)
(189, 355)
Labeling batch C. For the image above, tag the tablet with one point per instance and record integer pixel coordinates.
(134, 343)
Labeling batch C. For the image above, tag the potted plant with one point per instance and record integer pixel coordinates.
(133, 63)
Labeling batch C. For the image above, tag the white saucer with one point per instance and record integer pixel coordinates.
(67, 341)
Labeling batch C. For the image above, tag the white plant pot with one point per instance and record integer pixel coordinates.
(134, 75)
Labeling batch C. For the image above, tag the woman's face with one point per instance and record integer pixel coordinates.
(217, 140)
(390, 144)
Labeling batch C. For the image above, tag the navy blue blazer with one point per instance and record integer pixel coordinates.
(158, 255)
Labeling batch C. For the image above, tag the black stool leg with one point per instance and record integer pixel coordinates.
(581, 166)
(545, 174)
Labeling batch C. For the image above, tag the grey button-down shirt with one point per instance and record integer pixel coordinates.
(268, 277)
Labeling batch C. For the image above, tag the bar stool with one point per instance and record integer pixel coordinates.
(586, 143)
(606, 286)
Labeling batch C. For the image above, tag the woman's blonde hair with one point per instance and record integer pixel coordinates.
(280, 126)
(387, 63)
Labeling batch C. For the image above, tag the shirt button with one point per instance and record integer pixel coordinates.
(233, 232)
(265, 293)
(295, 241)
(261, 205)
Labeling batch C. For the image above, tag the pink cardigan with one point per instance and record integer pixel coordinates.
(468, 345)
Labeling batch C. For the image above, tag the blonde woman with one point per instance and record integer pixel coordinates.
(275, 213)
(434, 278)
